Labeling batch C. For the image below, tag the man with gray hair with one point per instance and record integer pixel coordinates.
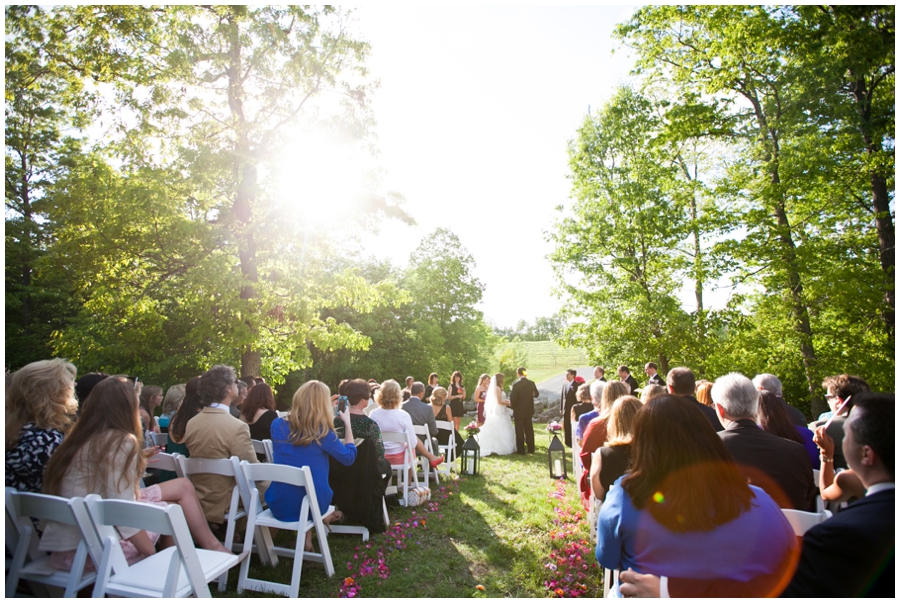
(778, 466)
(770, 382)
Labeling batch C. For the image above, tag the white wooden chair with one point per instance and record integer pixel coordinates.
(230, 468)
(20, 508)
(260, 447)
(402, 472)
(820, 504)
(801, 521)
(270, 450)
(160, 439)
(427, 471)
(310, 519)
(166, 462)
(610, 582)
(448, 449)
(177, 571)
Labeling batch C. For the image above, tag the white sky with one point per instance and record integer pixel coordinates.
(474, 112)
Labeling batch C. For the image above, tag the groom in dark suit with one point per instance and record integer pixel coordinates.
(521, 400)
(567, 400)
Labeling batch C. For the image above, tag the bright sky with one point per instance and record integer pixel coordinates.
(474, 112)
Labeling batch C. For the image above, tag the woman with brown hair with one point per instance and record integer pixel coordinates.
(480, 396)
(102, 455)
(443, 412)
(685, 510)
(772, 417)
(258, 411)
(190, 406)
(595, 432)
(456, 397)
(151, 397)
(40, 410)
(613, 458)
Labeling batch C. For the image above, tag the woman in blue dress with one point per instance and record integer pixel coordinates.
(306, 437)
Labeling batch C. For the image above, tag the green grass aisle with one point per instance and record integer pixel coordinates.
(510, 532)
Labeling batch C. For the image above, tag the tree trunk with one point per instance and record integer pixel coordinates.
(884, 225)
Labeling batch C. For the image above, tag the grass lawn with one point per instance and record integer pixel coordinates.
(510, 532)
(548, 359)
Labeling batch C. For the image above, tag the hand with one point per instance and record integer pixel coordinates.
(824, 441)
(152, 450)
(633, 584)
(345, 415)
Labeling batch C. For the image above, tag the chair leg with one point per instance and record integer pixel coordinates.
(298, 563)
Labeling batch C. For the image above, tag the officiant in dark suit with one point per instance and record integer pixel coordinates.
(521, 400)
(567, 400)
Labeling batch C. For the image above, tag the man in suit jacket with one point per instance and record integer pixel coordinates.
(654, 377)
(214, 434)
(778, 466)
(521, 400)
(420, 412)
(681, 382)
(598, 374)
(567, 400)
(625, 377)
(848, 555)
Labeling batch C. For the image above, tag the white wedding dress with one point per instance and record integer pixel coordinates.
(498, 436)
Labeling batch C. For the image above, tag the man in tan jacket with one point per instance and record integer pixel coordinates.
(215, 434)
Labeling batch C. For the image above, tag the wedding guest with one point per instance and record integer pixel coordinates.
(626, 377)
(40, 410)
(772, 417)
(457, 397)
(685, 510)
(421, 415)
(258, 411)
(190, 406)
(681, 382)
(841, 389)
(652, 391)
(86, 383)
(769, 382)
(406, 390)
(595, 432)
(444, 412)
(171, 402)
(391, 418)
(480, 396)
(598, 373)
(151, 397)
(102, 455)
(703, 392)
(613, 459)
(243, 388)
(837, 488)
(583, 395)
(306, 437)
(596, 390)
(432, 383)
(214, 434)
(357, 393)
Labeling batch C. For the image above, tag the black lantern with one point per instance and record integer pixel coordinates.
(471, 457)
(556, 458)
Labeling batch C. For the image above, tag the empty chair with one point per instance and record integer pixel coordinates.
(177, 571)
(28, 563)
(310, 519)
(402, 472)
(448, 449)
(801, 521)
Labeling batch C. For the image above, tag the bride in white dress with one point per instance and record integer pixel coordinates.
(498, 436)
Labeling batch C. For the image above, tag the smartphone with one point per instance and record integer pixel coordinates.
(342, 403)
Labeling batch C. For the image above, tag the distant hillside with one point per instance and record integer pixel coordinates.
(546, 358)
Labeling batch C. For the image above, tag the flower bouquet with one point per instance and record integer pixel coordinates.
(554, 427)
(472, 429)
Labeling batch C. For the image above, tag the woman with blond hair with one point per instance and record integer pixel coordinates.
(652, 391)
(391, 418)
(612, 460)
(306, 437)
(40, 410)
(171, 403)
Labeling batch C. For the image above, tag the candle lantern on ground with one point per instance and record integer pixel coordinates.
(471, 455)
(556, 453)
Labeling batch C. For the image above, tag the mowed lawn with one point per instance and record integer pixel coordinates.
(510, 532)
(548, 359)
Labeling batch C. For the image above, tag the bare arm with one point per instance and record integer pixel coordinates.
(598, 490)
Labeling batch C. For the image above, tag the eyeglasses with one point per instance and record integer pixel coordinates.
(830, 396)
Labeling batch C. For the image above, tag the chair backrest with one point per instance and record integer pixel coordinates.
(802, 521)
(396, 436)
(422, 430)
(160, 439)
(145, 516)
(193, 465)
(166, 462)
(286, 474)
(270, 450)
(259, 446)
(282, 413)
(448, 425)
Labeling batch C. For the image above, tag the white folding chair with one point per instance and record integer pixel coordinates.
(177, 571)
(309, 519)
(160, 439)
(166, 462)
(270, 450)
(801, 521)
(230, 468)
(259, 446)
(282, 413)
(20, 508)
(401, 472)
(610, 581)
(426, 466)
(820, 504)
(448, 449)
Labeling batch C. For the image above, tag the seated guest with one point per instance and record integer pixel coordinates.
(190, 406)
(40, 410)
(151, 397)
(406, 390)
(680, 382)
(595, 432)
(103, 456)
(306, 437)
(243, 389)
(702, 392)
(86, 383)
(778, 466)
(772, 417)
(841, 390)
(357, 393)
(443, 412)
(596, 393)
(171, 402)
(652, 391)
(391, 418)
(215, 434)
(258, 411)
(840, 487)
(613, 459)
(372, 405)
(848, 555)
(685, 510)
(421, 413)
(583, 395)
(769, 382)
